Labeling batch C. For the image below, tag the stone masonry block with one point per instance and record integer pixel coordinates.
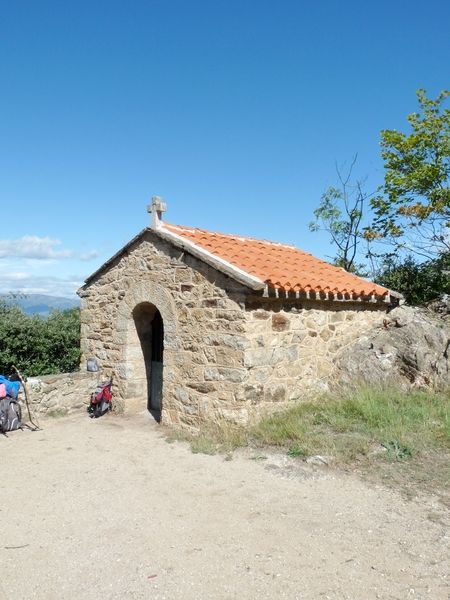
(280, 322)
(224, 374)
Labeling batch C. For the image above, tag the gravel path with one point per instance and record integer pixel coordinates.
(107, 509)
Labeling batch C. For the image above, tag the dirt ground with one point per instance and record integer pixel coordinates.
(107, 509)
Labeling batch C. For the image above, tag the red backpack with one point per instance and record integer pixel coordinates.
(100, 402)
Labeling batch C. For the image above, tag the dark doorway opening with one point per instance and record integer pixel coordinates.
(150, 330)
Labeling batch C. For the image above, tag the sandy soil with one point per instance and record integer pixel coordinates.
(107, 509)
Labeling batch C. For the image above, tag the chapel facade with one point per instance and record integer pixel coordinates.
(198, 326)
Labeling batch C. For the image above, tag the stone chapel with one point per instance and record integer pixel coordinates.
(196, 325)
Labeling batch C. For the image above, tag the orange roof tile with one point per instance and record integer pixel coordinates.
(278, 265)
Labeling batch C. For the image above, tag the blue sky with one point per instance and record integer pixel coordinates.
(234, 111)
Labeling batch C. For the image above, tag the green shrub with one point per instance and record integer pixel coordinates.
(38, 346)
(418, 282)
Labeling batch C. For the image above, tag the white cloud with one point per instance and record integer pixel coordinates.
(27, 283)
(33, 246)
(18, 276)
(89, 255)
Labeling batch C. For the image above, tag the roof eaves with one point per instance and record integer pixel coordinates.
(397, 295)
(331, 295)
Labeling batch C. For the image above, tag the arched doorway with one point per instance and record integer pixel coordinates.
(150, 330)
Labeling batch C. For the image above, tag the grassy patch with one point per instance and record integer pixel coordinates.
(401, 438)
(295, 451)
(176, 435)
(403, 424)
(213, 438)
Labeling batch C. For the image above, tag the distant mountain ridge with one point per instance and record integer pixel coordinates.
(40, 304)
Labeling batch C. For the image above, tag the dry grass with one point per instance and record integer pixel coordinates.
(213, 438)
(362, 420)
(401, 438)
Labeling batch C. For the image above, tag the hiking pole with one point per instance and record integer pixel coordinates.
(22, 381)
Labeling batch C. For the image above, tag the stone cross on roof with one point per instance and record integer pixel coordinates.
(156, 208)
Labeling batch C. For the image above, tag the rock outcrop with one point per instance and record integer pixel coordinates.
(410, 348)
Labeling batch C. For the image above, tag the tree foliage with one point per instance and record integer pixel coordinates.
(340, 214)
(418, 282)
(413, 212)
(38, 346)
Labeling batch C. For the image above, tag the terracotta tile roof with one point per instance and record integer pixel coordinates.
(280, 266)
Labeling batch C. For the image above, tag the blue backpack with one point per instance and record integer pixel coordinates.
(12, 387)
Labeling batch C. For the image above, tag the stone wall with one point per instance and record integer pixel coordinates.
(204, 331)
(227, 355)
(59, 395)
(292, 347)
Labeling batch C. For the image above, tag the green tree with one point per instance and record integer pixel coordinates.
(39, 346)
(340, 214)
(418, 282)
(413, 212)
(63, 335)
